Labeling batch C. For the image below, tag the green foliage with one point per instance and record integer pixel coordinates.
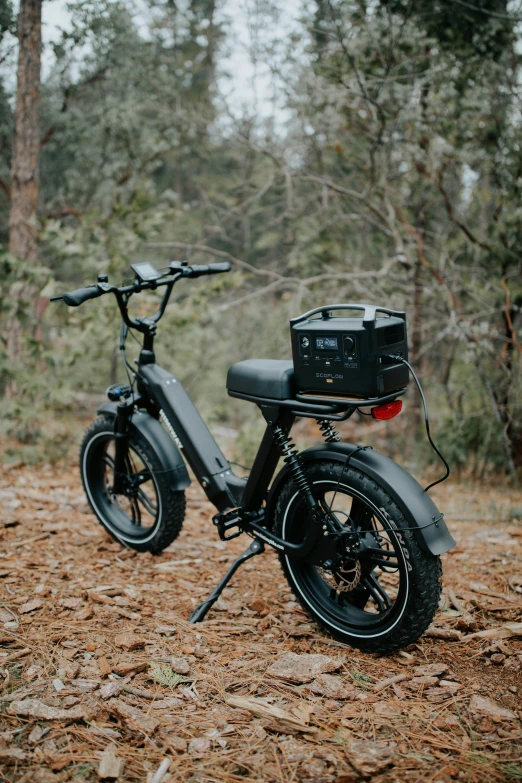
(162, 673)
(396, 180)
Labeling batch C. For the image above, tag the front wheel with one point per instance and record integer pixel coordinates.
(384, 597)
(147, 514)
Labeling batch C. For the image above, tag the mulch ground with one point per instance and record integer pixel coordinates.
(101, 674)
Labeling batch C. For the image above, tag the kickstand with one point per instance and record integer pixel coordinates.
(256, 548)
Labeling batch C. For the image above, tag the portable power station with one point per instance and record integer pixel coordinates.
(349, 356)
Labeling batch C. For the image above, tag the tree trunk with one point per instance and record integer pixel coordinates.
(24, 168)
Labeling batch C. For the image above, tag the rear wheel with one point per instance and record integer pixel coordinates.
(384, 597)
(147, 515)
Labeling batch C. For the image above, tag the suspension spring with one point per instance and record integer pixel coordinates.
(292, 458)
(328, 431)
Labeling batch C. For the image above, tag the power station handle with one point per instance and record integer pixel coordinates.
(370, 311)
(80, 295)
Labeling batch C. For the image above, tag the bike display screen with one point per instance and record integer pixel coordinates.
(327, 344)
(146, 271)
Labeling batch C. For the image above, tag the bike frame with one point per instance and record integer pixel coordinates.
(165, 397)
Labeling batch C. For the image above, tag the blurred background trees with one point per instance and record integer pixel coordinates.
(390, 171)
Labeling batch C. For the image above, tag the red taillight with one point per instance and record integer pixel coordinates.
(387, 411)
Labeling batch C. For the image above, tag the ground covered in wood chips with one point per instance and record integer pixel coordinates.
(102, 677)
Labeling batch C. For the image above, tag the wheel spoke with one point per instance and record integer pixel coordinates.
(378, 561)
(360, 514)
(379, 556)
(147, 503)
(108, 460)
(136, 512)
(377, 591)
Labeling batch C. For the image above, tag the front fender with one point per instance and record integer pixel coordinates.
(419, 509)
(166, 450)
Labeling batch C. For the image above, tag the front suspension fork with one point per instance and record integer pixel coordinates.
(121, 444)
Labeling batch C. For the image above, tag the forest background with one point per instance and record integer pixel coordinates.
(387, 168)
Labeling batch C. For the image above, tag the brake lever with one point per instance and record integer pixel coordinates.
(178, 266)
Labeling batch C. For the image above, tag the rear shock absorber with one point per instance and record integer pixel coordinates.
(292, 458)
(328, 431)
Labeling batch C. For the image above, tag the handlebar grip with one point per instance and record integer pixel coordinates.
(197, 270)
(80, 295)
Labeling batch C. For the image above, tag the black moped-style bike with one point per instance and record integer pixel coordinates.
(359, 540)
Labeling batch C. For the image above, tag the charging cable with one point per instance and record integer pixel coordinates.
(398, 358)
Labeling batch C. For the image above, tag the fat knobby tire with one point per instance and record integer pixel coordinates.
(425, 570)
(169, 524)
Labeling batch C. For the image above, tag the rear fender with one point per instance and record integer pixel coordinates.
(166, 450)
(419, 509)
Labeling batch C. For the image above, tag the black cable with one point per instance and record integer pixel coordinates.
(238, 464)
(124, 330)
(426, 421)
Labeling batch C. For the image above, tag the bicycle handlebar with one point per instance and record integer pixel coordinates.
(80, 295)
(177, 270)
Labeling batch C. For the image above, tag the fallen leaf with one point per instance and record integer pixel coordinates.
(129, 641)
(84, 614)
(302, 668)
(481, 705)
(260, 606)
(111, 689)
(111, 766)
(368, 757)
(199, 746)
(502, 632)
(421, 682)
(71, 603)
(167, 703)
(105, 666)
(331, 686)
(34, 708)
(174, 743)
(180, 665)
(430, 670)
(125, 668)
(12, 755)
(135, 717)
(34, 672)
(265, 710)
(35, 735)
(84, 686)
(31, 606)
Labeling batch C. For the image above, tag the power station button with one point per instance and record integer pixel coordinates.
(349, 345)
(305, 342)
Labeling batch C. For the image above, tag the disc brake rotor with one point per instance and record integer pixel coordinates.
(344, 579)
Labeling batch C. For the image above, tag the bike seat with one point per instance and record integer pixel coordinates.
(271, 378)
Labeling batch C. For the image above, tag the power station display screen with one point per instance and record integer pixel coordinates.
(326, 344)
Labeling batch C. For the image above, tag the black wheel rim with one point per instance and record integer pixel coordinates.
(133, 514)
(365, 604)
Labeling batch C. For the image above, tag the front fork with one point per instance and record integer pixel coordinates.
(121, 431)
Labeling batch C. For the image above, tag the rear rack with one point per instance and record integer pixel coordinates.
(313, 406)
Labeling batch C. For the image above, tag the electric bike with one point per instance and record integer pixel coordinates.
(359, 539)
